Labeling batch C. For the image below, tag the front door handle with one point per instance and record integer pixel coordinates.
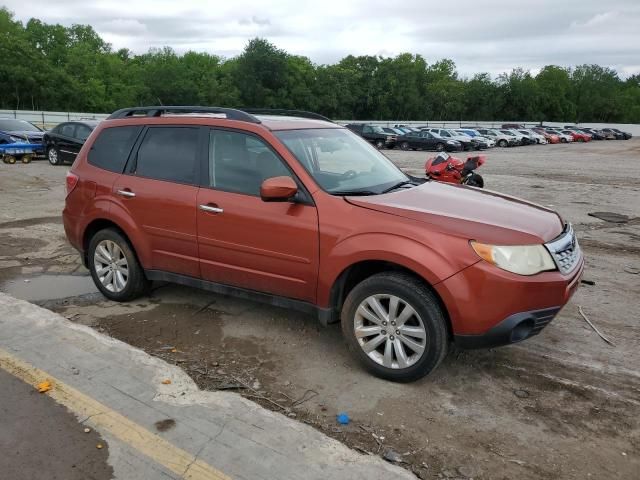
(211, 208)
(126, 193)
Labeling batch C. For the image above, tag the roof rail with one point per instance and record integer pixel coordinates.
(282, 111)
(230, 113)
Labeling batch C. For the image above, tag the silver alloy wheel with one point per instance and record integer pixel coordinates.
(390, 331)
(111, 266)
(53, 156)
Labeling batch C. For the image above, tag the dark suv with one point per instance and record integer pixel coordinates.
(302, 213)
(374, 134)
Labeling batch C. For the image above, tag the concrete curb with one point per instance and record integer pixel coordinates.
(232, 434)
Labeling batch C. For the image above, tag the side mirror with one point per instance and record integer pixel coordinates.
(278, 189)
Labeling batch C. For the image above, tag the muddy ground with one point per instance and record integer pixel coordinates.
(564, 404)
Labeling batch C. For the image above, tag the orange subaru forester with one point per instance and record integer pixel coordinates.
(292, 209)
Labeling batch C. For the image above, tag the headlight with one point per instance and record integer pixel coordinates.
(520, 259)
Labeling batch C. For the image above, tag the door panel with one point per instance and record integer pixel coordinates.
(165, 213)
(269, 247)
(265, 246)
(159, 192)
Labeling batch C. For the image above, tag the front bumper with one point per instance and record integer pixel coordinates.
(513, 329)
(489, 307)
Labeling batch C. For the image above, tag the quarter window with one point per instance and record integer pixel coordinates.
(112, 147)
(82, 132)
(240, 163)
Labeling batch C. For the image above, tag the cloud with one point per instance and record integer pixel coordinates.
(489, 36)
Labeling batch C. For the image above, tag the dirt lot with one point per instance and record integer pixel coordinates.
(564, 404)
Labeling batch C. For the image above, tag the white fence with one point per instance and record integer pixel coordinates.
(50, 119)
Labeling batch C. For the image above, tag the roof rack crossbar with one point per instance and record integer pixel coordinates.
(230, 113)
(282, 111)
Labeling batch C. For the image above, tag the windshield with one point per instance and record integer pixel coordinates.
(10, 125)
(341, 162)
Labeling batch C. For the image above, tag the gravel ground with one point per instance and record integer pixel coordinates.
(564, 404)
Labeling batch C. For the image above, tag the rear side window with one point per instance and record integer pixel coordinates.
(112, 147)
(68, 129)
(169, 153)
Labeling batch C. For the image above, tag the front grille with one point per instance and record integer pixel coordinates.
(565, 251)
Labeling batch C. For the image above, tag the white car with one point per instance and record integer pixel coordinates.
(520, 138)
(475, 134)
(564, 138)
(539, 139)
(500, 138)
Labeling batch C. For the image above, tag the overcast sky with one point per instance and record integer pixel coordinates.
(479, 35)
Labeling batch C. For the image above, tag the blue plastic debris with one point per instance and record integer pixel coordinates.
(343, 418)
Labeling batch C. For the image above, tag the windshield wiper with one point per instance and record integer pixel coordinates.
(398, 185)
(354, 193)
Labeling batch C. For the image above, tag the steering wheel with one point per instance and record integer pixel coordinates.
(349, 174)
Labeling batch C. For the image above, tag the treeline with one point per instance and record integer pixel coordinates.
(51, 67)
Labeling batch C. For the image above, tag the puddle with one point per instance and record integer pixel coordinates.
(49, 287)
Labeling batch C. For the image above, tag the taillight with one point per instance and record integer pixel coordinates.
(72, 181)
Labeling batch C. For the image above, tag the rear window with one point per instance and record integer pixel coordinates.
(170, 154)
(112, 147)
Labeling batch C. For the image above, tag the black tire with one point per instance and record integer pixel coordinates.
(503, 143)
(416, 294)
(379, 144)
(404, 146)
(10, 159)
(137, 283)
(53, 155)
(440, 147)
(563, 140)
(26, 158)
(476, 180)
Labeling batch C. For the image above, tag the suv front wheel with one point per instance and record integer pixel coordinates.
(114, 267)
(395, 327)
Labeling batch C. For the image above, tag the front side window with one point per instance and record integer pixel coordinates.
(239, 162)
(170, 154)
(341, 162)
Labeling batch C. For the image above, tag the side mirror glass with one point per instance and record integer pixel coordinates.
(278, 189)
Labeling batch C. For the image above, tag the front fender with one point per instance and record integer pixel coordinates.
(423, 260)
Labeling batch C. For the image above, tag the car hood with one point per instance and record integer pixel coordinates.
(28, 135)
(476, 214)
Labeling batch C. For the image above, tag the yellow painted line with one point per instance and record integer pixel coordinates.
(103, 419)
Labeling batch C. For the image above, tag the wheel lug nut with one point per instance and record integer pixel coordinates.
(393, 323)
(384, 323)
(384, 332)
(391, 337)
(397, 332)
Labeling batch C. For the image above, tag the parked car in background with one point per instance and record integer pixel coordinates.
(428, 141)
(20, 131)
(534, 136)
(620, 135)
(520, 138)
(577, 135)
(595, 134)
(305, 215)
(564, 138)
(475, 134)
(374, 134)
(550, 137)
(501, 139)
(63, 142)
(467, 142)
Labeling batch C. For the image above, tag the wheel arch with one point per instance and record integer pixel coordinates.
(355, 273)
(97, 225)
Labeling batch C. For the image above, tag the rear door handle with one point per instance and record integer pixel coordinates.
(211, 208)
(126, 193)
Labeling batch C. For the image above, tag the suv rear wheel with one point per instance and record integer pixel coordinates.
(114, 267)
(395, 327)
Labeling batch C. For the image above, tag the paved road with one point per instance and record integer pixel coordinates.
(40, 439)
